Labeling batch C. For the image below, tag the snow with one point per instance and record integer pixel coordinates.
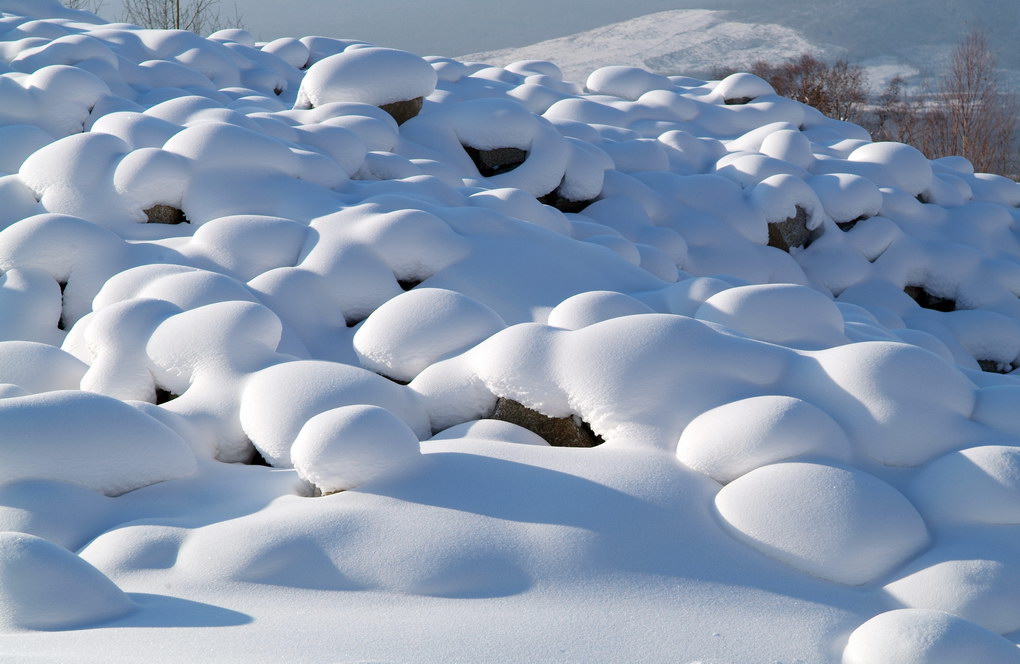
(923, 636)
(375, 76)
(840, 524)
(417, 329)
(45, 586)
(274, 415)
(348, 446)
(733, 439)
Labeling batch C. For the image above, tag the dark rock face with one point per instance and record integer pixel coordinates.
(738, 101)
(557, 431)
(165, 214)
(562, 204)
(793, 232)
(496, 161)
(162, 396)
(402, 111)
(847, 226)
(257, 459)
(928, 300)
(994, 366)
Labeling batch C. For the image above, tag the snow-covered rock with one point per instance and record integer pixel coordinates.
(839, 524)
(921, 636)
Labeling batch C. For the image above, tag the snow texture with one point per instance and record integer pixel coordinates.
(258, 303)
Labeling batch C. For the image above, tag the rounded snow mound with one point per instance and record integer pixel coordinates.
(626, 82)
(920, 636)
(784, 314)
(840, 524)
(735, 438)
(376, 76)
(976, 485)
(278, 401)
(893, 414)
(505, 432)
(348, 446)
(420, 327)
(91, 440)
(46, 587)
(982, 591)
(592, 307)
(894, 165)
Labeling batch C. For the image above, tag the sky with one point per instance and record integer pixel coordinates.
(918, 28)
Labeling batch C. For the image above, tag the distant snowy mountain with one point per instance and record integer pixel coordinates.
(681, 41)
(312, 351)
(699, 42)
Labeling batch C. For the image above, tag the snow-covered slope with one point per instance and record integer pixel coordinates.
(690, 41)
(287, 329)
(913, 44)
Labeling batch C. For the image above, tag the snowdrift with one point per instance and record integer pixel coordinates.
(313, 351)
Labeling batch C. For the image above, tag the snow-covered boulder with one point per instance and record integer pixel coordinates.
(46, 587)
(345, 447)
(921, 636)
(837, 523)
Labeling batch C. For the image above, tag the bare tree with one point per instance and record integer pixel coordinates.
(897, 117)
(970, 114)
(837, 90)
(198, 16)
(88, 5)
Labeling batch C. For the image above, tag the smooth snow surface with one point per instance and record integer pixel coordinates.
(253, 334)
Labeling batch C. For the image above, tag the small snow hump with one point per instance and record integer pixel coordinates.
(46, 587)
(372, 75)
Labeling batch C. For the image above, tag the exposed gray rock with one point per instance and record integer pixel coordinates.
(557, 431)
(792, 233)
(165, 214)
(402, 111)
(929, 300)
(496, 161)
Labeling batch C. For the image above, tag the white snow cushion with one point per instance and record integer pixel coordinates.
(840, 524)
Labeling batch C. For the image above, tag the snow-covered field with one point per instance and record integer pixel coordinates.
(268, 356)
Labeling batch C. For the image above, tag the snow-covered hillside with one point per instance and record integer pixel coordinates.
(670, 42)
(701, 42)
(316, 351)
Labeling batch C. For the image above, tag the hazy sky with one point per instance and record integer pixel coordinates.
(435, 27)
(909, 29)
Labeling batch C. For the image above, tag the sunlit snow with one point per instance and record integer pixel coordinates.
(315, 351)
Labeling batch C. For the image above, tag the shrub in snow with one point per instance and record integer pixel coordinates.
(840, 524)
(345, 447)
(46, 587)
(920, 636)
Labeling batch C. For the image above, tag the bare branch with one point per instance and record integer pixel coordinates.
(199, 16)
(87, 5)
